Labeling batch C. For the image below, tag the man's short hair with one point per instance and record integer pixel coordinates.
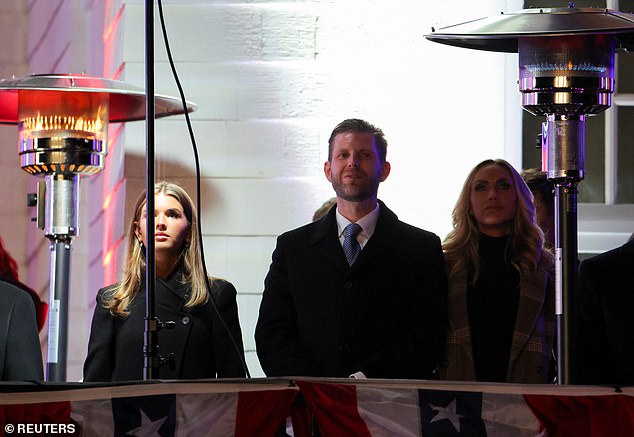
(361, 126)
(539, 183)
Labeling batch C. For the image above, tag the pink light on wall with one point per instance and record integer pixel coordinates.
(111, 39)
(112, 181)
(113, 212)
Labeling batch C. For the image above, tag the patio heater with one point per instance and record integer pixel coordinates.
(62, 127)
(566, 66)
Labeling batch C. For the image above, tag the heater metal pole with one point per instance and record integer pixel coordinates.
(566, 277)
(58, 310)
(563, 158)
(61, 218)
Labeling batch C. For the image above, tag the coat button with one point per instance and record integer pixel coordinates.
(347, 285)
(185, 320)
(344, 347)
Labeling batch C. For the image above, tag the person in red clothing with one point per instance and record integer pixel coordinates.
(9, 273)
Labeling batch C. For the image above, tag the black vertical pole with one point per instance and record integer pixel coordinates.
(563, 155)
(58, 309)
(150, 346)
(61, 206)
(566, 278)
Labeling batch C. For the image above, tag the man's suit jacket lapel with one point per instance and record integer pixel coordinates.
(325, 238)
(627, 261)
(382, 237)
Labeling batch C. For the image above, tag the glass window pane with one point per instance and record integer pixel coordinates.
(625, 180)
(592, 188)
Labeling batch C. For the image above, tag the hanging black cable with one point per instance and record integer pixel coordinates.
(198, 202)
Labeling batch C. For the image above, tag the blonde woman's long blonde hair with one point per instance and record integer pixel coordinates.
(118, 298)
(525, 244)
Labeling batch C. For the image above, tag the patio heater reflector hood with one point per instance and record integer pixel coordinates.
(63, 119)
(566, 68)
(501, 33)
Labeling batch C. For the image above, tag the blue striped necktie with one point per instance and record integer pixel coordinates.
(351, 246)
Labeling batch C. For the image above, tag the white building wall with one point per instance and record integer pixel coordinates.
(271, 79)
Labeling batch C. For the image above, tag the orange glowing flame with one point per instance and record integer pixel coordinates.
(57, 123)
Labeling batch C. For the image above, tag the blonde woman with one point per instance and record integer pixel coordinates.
(199, 345)
(501, 289)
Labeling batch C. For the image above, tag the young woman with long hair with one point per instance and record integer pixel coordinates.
(198, 346)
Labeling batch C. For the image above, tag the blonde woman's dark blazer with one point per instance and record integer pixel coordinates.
(531, 350)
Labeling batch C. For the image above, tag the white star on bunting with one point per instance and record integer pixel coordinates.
(447, 413)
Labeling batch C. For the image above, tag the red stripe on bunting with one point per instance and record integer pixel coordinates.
(261, 413)
(584, 416)
(324, 399)
(46, 412)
